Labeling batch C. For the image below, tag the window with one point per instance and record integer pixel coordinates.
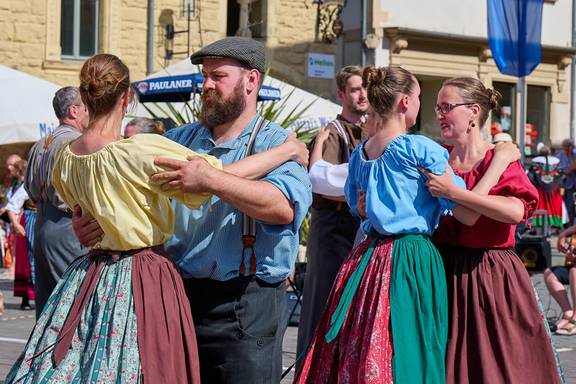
(537, 117)
(504, 118)
(79, 28)
(256, 18)
(537, 130)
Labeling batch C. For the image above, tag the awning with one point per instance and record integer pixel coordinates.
(179, 88)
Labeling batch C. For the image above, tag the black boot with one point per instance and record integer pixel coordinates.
(25, 305)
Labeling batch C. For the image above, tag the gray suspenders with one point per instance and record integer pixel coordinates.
(248, 223)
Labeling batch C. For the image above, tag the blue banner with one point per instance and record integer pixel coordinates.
(514, 33)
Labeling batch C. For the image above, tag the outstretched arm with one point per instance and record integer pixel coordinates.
(259, 199)
(257, 165)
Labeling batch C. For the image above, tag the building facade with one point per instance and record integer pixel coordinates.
(448, 38)
(51, 38)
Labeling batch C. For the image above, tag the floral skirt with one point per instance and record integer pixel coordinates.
(97, 327)
(400, 296)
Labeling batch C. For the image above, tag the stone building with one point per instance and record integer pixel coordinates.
(437, 40)
(51, 38)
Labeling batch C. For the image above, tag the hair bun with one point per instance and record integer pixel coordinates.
(103, 79)
(494, 98)
(373, 76)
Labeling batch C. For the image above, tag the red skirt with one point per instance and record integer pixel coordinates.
(363, 351)
(550, 202)
(497, 332)
(23, 285)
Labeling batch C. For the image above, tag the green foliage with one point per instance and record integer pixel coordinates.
(270, 110)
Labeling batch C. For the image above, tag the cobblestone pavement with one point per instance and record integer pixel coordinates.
(15, 326)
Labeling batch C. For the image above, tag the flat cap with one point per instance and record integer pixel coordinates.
(248, 51)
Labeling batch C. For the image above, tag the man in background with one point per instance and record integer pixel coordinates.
(332, 226)
(55, 244)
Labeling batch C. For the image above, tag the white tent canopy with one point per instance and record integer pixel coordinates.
(319, 113)
(26, 112)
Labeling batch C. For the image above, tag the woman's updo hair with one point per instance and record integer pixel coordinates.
(473, 91)
(20, 168)
(384, 84)
(103, 79)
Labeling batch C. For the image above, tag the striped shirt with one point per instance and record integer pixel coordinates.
(207, 242)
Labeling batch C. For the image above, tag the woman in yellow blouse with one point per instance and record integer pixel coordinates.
(120, 314)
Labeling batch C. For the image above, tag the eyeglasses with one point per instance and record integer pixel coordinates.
(445, 108)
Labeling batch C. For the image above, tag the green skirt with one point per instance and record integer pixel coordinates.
(386, 319)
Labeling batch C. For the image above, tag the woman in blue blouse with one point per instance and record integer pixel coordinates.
(387, 316)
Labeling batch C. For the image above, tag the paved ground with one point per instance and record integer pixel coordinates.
(15, 326)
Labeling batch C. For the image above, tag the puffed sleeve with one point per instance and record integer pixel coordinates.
(327, 178)
(515, 183)
(433, 157)
(351, 185)
(17, 200)
(138, 154)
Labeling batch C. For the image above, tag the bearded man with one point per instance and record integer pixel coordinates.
(236, 289)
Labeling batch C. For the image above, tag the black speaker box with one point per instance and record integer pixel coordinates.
(535, 253)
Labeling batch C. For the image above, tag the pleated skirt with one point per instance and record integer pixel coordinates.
(498, 333)
(395, 328)
(113, 318)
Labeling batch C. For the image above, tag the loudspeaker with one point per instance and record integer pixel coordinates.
(535, 253)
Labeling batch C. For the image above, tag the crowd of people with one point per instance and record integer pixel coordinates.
(163, 258)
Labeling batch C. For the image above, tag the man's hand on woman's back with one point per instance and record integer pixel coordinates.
(86, 228)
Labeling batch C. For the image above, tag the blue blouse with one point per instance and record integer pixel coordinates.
(397, 199)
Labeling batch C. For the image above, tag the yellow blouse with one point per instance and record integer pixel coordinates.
(113, 185)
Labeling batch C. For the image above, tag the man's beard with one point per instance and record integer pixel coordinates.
(215, 111)
(357, 109)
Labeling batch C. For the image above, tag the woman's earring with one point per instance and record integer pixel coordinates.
(472, 125)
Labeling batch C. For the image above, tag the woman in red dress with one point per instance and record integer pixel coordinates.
(22, 219)
(497, 331)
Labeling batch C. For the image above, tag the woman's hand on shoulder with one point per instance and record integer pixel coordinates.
(439, 185)
(323, 134)
(298, 150)
(507, 152)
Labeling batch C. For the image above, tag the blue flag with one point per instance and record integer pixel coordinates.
(514, 33)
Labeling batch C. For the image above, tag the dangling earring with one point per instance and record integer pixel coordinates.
(472, 125)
